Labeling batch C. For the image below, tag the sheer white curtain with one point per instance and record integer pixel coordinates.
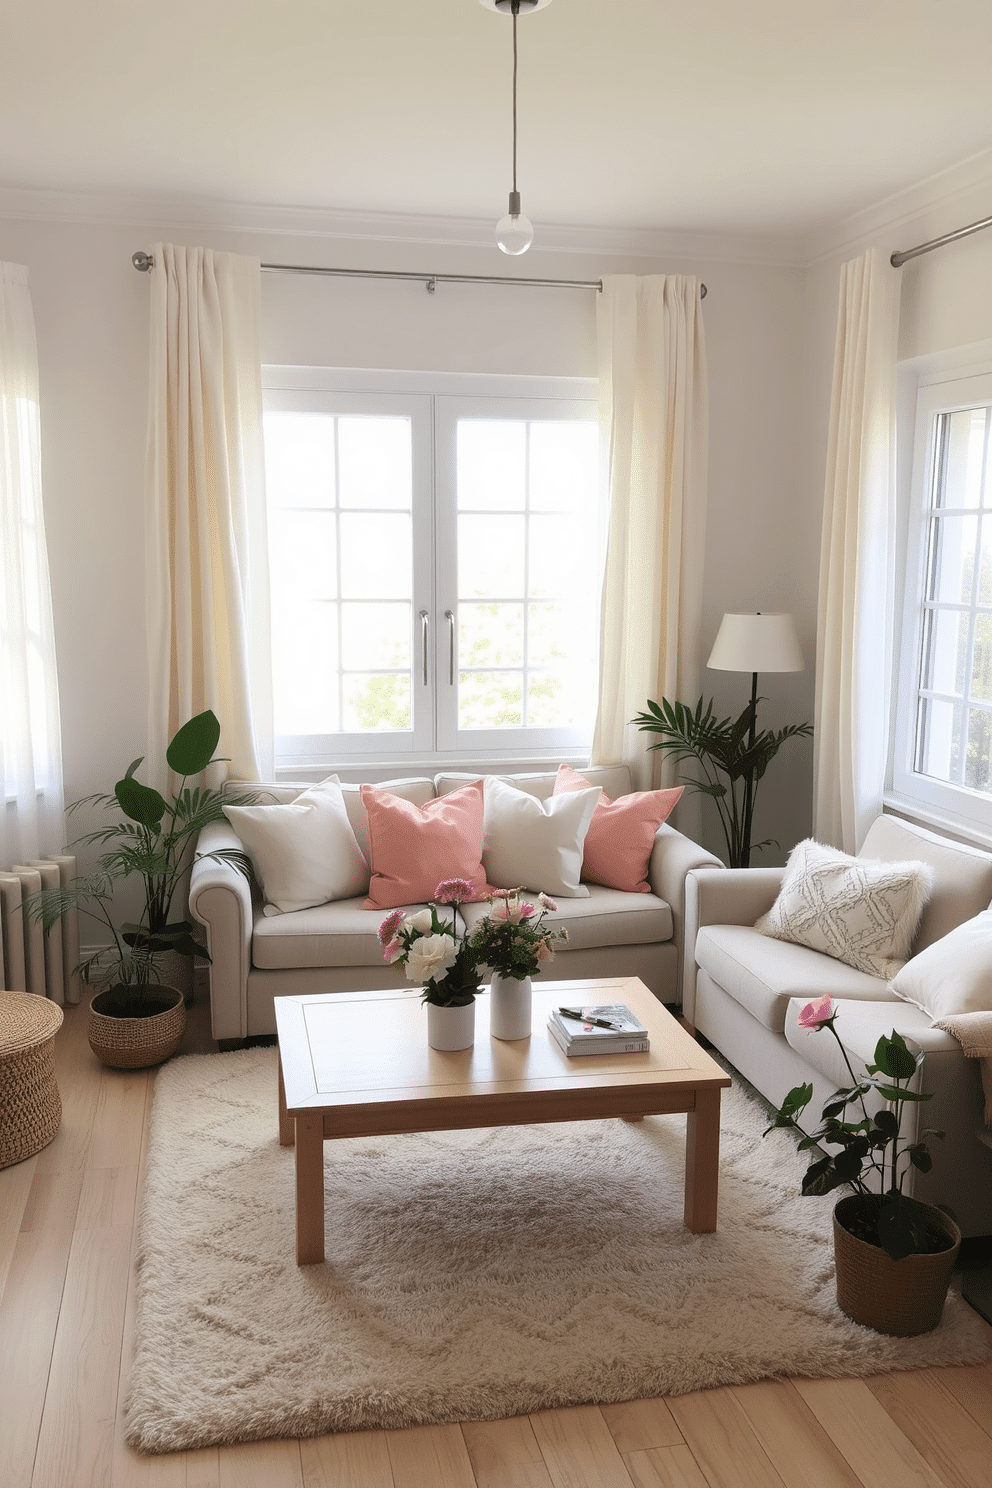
(205, 487)
(854, 622)
(653, 411)
(31, 800)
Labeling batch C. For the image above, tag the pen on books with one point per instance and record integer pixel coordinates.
(581, 1018)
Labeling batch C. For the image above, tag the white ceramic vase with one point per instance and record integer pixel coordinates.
(510, 1007)
(451, 1027)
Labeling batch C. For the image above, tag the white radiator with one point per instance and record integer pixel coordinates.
(30, 960)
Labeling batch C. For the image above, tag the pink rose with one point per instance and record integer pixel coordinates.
(815, 1014)
(526, 910)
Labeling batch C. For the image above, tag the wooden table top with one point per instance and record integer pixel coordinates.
(344, 1050)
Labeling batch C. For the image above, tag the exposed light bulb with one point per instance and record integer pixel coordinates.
(514, 232)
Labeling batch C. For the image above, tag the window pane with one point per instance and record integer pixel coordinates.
(981, 664)
(376, 462)
(490, 700)
(978, 766)
(985, 562)
(375, 636)
(299, 459)
(377, 702)
(953, 561)
(490, 557)
(964, 433)
(946, 651)
(491, 464)
(548, 704)
(939, 749)
(304, 668)
(490, 635)
(563, 468)
(376, 556)
(547, 634)
(303, 556)
(558, 563)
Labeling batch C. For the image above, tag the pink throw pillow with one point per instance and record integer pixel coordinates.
(412, 848)
(618, 845)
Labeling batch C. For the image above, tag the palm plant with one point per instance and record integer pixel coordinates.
(732, 755)
(152, 838)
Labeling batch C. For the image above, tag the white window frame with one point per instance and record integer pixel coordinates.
(434, 740)
(930, 387)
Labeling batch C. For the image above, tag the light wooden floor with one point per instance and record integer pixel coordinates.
(67, 1225)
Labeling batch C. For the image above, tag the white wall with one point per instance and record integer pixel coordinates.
(91, 309)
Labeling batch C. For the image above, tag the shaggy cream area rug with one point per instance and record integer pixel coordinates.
(470, 1275)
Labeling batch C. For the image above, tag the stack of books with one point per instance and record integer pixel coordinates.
(611, 1029)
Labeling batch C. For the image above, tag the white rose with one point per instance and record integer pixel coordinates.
(421, 921)
(430, 957)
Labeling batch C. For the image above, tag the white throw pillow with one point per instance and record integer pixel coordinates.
(528, 843)
(305, 852)
(861, 911)
(954, 975)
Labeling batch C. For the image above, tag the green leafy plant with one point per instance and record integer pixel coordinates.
(512, 939)
(869, 1144)
(732, 755)
(151, 838)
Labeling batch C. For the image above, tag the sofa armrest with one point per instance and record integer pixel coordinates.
(733, 896)
(220, 899)
(673, 857)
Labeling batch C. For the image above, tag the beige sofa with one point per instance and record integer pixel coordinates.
(333, 947)
(743, 991)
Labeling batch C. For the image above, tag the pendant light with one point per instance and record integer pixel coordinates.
(514, 232)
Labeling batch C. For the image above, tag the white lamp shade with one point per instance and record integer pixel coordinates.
(756, 643)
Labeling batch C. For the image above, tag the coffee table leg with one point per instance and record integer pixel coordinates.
(702, 1162)
(309, 1189)
(287, 1129)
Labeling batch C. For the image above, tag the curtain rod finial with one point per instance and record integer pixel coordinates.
(142, 261)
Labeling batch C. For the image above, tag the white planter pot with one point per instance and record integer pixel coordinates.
(451, 1027)
(510, 1007)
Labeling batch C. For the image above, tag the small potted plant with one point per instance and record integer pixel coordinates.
(514, 942)
(894, 1255)
(443, 962)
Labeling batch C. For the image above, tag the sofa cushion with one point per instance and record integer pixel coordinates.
(860, 910)
(606, 918)
(304, 852)
(954, 975)
(413, 848)
(339, 934)
(614, 779)
(536, 844)
(859, 1025)
(416, 788)
(762, 974)
(620, 840)
(962, 879)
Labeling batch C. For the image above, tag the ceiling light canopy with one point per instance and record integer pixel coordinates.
(514, 232)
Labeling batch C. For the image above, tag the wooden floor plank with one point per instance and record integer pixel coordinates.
(505, 1454)
(429, 1454)
(15, 1187)
(266, 1464)
(879, 1452)
(722, 1440)
(354, 1459)
(796, 1444)
(972, 1388)
(665, 1467)
(578, 1448)
(117, 1121)
(939, 1427)
(638, 1425)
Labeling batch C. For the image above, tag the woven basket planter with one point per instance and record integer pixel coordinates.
(137, 1043)
(30, 1105)
(901, 1298)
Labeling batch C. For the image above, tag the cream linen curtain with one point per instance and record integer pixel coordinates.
(653, 413)
(205, 488)
(31, 801)
(854, 622)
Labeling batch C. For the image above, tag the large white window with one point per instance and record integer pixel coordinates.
(943, 736)
(434, 566)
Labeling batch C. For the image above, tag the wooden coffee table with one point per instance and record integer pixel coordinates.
(357, 1064)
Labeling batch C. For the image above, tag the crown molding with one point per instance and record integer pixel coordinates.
(187, 213)
(902, 211)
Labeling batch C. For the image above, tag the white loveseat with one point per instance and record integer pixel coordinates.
(743, 991)
(333, 947)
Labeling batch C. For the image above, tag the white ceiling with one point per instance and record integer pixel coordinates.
(771, 117)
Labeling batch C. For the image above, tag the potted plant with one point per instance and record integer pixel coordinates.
(138, 1017)
(443, 962)
(894, 1255)
(514, 942)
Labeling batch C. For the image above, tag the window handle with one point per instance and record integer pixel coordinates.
(449, 615)
(424, 638)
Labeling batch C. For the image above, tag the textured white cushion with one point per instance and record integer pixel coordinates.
(859, 910)
(954, 975)
(304, 852)
(535, 844)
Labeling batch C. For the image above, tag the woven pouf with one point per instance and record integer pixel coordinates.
(30, 1104)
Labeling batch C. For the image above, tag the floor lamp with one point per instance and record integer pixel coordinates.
(755, 643)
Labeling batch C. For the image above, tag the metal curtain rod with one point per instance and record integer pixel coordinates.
(144, 262)
(898, 259)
